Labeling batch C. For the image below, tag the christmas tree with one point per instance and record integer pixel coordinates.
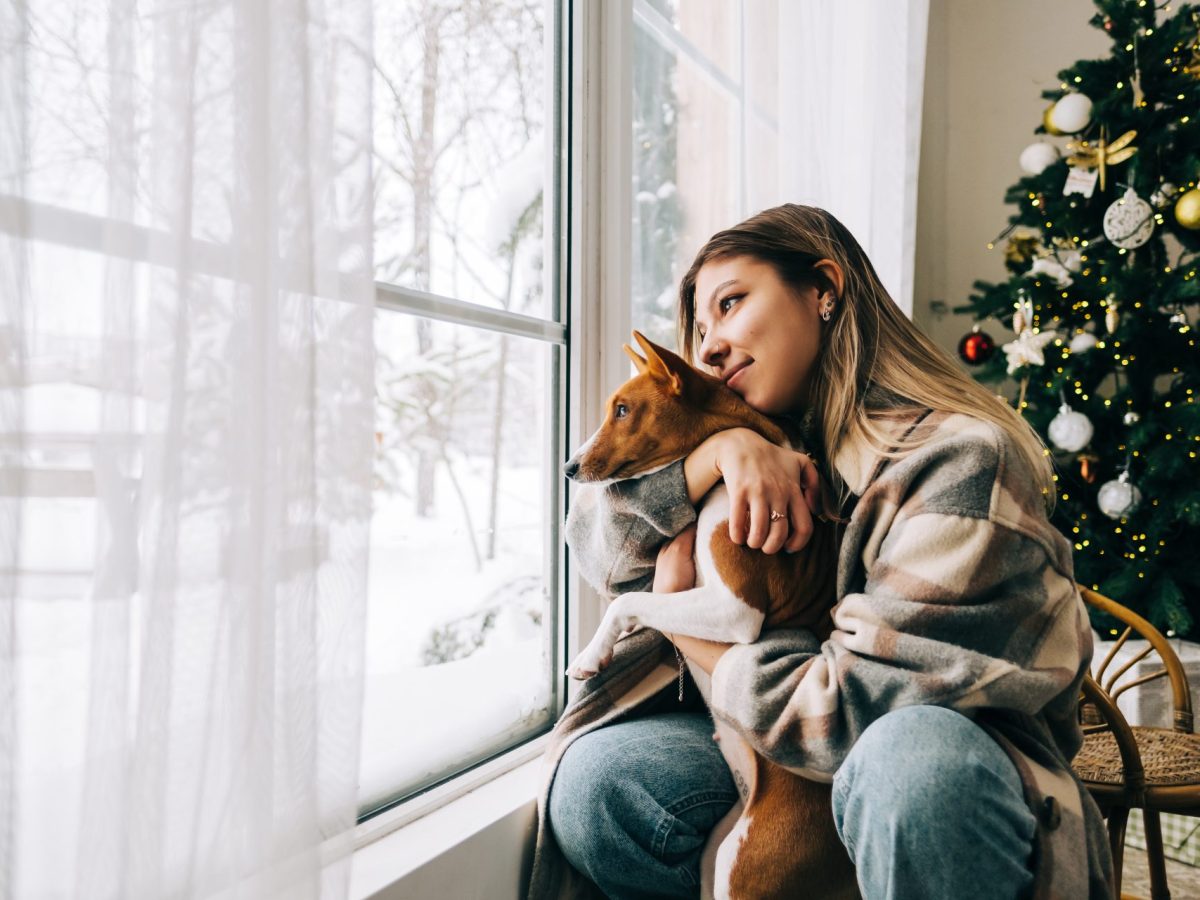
(1102, 297)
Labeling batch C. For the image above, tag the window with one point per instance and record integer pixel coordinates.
(470, 338)
(705, 137)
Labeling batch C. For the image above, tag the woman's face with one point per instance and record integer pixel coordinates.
(760, 336)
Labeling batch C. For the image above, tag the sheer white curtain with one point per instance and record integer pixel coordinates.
(186, 437)
(852, 75)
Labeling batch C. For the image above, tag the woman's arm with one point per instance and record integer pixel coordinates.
(614, 530)
(957, 611)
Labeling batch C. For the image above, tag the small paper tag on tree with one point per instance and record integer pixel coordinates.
(1080, 181)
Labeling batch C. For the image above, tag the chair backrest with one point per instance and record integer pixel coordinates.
(1172, 669)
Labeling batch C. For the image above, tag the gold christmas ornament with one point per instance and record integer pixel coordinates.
(1193, 66)
(1023, 315)
(1187, 209)
(1046, 123)
(1103, 154)
(1021, 248)
(1112, 316)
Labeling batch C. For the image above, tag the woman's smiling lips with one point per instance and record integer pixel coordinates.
(736, 373)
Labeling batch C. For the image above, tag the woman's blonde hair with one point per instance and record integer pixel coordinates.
(868, 342)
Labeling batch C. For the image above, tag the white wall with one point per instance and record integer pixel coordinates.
(988, 62)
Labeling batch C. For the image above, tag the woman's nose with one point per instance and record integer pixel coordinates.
(711, 350)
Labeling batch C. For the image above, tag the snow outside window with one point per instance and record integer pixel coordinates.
(464, 536)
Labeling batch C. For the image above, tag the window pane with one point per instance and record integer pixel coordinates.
(710, 26)
(685, 174)
(462, 585)
(462, 104)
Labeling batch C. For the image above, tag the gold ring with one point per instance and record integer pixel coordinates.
(776, 515)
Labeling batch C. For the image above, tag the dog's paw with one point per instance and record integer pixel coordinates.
(587, 664)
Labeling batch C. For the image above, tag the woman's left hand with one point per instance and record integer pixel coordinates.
(676, 568)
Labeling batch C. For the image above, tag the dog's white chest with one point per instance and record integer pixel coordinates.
(713, 514)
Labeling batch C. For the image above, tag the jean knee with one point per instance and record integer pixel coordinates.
(576, 798)
(912, 760)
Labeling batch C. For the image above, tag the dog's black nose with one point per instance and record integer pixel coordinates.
(571, 468)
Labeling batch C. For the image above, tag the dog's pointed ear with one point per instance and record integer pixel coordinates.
(658, 364)
(641, 364)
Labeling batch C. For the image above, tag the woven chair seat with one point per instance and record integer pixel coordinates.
(1169, 757)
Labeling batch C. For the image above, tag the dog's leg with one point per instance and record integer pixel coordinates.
(710, 611)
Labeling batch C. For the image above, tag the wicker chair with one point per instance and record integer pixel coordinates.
(1131, 767)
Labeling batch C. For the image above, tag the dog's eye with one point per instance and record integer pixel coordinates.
(621, 411)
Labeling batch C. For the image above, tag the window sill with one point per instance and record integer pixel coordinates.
(477, 828)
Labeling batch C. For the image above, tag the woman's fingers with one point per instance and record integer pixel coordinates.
(760, 522)
(810, 484)
(739, 516)
(778, 530)
(675, 570)
(774, 494)
(801, 524)
(681, 545)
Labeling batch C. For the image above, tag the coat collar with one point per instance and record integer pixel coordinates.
(858, 462)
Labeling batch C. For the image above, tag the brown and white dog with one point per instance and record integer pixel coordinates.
(780, 841)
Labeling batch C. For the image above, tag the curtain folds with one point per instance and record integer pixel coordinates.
(852, 75)
(186, 439)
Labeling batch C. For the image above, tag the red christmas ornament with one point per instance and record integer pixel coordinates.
(976, 347)
(1108, 23)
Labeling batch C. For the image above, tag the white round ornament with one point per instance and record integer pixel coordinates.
(1083, 342)
(1118, 498)
(1072, 113)
(1070, 430)
(1129, 222)
(1037, 157)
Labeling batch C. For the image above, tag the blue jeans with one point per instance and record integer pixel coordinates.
(926, 803)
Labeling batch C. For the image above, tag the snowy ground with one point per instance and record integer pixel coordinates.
(423, 720)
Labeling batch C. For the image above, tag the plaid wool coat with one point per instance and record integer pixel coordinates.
(953, 590)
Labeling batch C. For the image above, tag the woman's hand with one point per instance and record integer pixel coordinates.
(676, 567)
(763, 478)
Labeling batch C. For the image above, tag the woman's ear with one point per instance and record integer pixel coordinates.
(834, 273)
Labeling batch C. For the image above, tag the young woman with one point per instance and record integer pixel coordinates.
(942, 707)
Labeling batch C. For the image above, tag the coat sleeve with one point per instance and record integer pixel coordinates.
(956, 611)
(614, 531)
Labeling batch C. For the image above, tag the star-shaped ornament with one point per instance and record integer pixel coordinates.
(1027, 349)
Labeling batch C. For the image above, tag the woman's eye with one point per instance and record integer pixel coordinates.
(621, 411)
(727, 302)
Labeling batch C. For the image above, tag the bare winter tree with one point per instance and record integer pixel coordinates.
(459, 94)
